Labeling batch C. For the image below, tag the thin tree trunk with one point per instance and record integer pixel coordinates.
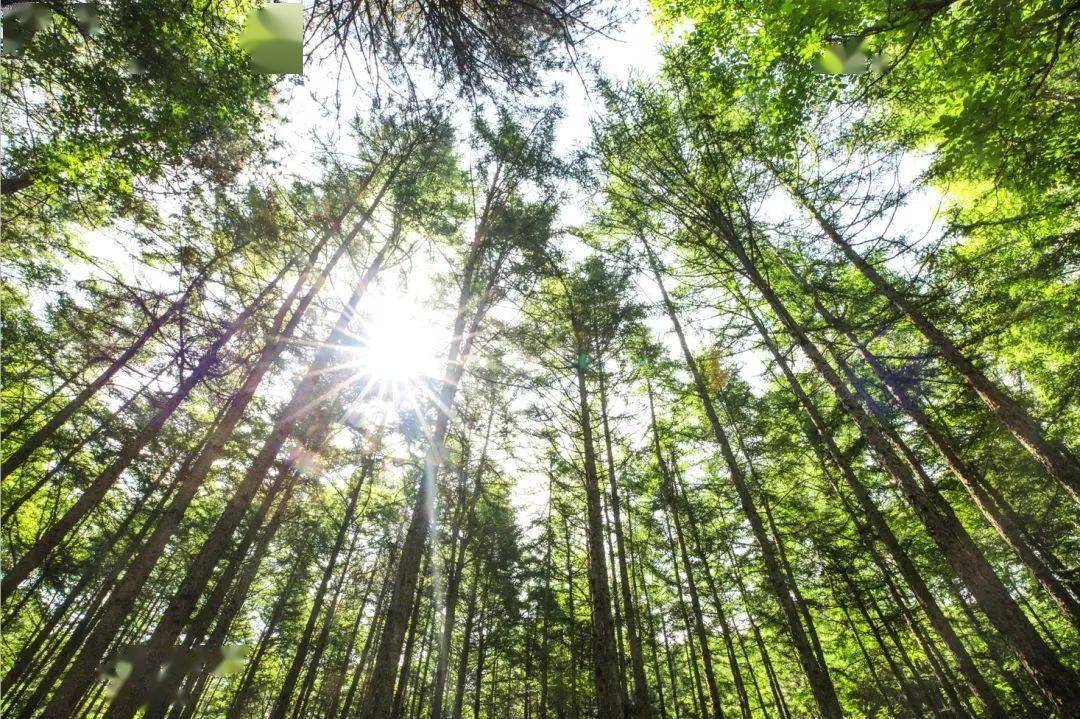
(821, 437)
(243, 689)
(466, 647)
(605, 661)
(642, 707)
(281, 705)
(12, 507)
(238, 594)
(43, 434)
(914, 701)
(725, 627)
(571, 618)
(759, 641)
(410, 647)
(97, 489)
(545, 610)
(481, 647)
(1054, 456)
(612, 567)
(882, 690)
(81, 626)
(378, 695)
(1003, 523)
(657, 672)
(818, 676)
(698, 695)
(369, 639)
(668, 492)
(459, 542)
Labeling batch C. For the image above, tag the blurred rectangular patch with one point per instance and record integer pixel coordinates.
(22, 21)
(273, 36)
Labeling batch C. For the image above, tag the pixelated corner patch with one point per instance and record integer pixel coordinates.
(24, 20)
(273, 36)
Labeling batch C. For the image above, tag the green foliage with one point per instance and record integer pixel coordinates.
(101, 116)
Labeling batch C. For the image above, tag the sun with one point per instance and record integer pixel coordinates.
(396, 352)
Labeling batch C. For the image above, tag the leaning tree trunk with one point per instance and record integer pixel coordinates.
(461, 534)
(281, 705)
(223, 616)
(201, 569)
(821, 684)
(1004, 523)
(93, 494)
(466, 647)
(821, 437)
(243, 690)
(698, 695)
(725, 626)
(12, 506)
(23, 452)
(1054, 456)
(190, 479)
(1058, 682)
(668, 492)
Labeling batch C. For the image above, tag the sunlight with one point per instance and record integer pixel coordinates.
(398, 347)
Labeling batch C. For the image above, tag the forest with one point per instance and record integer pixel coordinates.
(542, 359)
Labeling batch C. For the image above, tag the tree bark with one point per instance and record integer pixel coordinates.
(605, 661)
(1054, 456)
(642, 707)
(821, 437)
(820, 682)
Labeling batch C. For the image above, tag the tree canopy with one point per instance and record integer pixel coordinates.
(482, 372)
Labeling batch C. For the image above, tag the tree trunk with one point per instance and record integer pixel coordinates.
(821, 437)
(698, 695)
(81, 627)
(642, 707)
(369, 640)
(668, 492)
(459, 542)
(466, 646)
(1004, 523)
(725, 627)
(236, 706)
(378, 695)
(94, 493)
(281, 705)
(1054, 456)
(820, 682)
(44, 433)
(605, 661)
(407, 657)
(1054, 678)
(11, 507)
(237, 595)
